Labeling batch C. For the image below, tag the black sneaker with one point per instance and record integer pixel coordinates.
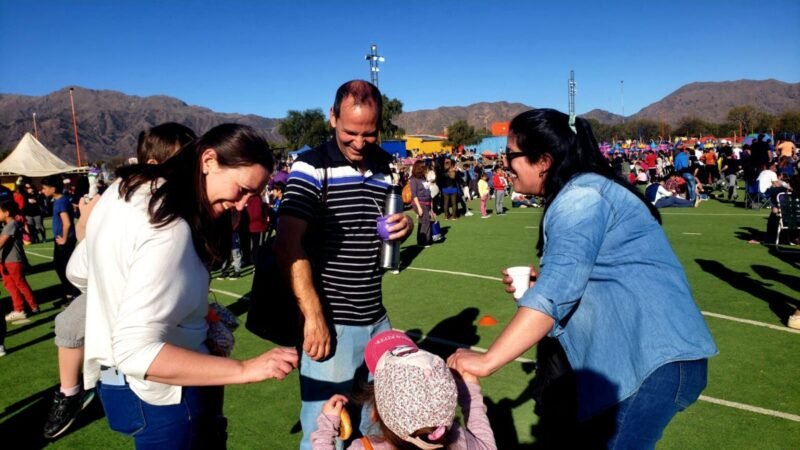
(64, 412)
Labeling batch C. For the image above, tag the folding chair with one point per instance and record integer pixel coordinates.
(753, 198)
(788, 216)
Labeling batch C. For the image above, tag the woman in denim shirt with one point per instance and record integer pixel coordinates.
(610, 290)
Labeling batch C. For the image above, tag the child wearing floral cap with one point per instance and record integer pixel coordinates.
(413, 397)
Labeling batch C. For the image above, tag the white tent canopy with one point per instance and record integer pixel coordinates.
(31, 158)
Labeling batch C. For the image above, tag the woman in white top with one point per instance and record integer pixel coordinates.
(144, 266)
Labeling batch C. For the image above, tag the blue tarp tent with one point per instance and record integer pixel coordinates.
(396, 148)
(297, 152)
(494, 144)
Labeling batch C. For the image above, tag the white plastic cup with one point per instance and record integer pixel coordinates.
(521, 279)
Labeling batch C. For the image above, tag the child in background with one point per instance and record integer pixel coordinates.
(413, 398)
(483, 191)
(13, 262)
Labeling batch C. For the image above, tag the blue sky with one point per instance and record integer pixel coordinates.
(266, 57)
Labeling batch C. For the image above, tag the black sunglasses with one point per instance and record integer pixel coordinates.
(510, 156)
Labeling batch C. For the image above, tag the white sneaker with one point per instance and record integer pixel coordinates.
(2, 351)
(793, 322)
(486, 216)
(468, 213)
(16, 315)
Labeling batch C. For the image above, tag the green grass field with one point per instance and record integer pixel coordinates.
(745, 291)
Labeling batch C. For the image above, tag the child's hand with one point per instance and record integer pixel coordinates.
(467, 376)
(334, 405)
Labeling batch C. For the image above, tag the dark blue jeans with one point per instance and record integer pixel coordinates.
(195, 422)
(638, 422)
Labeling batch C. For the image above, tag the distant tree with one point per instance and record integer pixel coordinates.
(602, 132)
(309, 127)
(789, 121)
(391, 109)
(461, 133)
(694, 126)
(744, 117)
(764, 121)
(483, 132)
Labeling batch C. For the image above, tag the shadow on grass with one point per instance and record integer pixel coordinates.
(23, 421)
(780, 304)
(773, 274)
(39, 268)
(752, 234)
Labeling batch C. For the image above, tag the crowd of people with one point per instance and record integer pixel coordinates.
(135, 269)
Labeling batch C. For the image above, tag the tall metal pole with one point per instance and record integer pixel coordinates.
(75, 127)
(571, 85)
(374, 59)
(35, 130)
(622, 98)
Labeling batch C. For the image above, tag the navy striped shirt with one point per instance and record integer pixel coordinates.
(347, 264)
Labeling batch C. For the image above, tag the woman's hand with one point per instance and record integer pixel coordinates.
(334, 405)
(276, 363)
(470, 362)
(507, 280)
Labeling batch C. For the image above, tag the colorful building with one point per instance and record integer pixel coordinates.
(424, 144)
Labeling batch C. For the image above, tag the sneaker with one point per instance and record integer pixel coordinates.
(793, 322)
(222, 276)
(16, 315)
(2, 351)
(468, 214)
(234, 276)
(486, 216)
(35, 310)
(64, 412)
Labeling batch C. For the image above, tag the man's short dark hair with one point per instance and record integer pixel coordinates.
(280, 186)
(363, 93)
(10, 206)
(54, 181)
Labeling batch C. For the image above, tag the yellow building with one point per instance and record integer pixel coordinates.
(423, 144)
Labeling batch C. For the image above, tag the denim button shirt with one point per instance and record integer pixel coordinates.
(620, 299)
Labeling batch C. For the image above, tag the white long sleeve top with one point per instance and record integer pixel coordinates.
(145, 287)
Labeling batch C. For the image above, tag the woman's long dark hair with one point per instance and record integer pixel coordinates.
(546, 131)
(182, 195)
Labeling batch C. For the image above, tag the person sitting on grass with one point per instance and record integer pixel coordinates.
(660, 197)
(519, 200)
(13, 263)
(413, 400)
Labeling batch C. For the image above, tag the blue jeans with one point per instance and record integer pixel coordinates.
(319, 380)
(691, 186)
(639, 421)
(195, 422)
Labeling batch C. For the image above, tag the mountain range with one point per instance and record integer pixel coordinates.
(110, 121)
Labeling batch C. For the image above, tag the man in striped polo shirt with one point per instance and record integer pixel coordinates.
(328, 246)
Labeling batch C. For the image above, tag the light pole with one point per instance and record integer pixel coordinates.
(35, 130)
(374, 59)
(622, 98)
(571, 89)
(75, 127)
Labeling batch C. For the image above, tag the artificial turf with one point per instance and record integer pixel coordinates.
(728, 276)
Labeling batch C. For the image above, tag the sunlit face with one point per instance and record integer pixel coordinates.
(528, 178)
(356, 126)
(231, 187)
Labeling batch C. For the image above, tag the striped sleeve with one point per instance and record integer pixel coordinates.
(303, 190)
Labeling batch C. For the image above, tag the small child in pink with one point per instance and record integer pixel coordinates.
(414, 398)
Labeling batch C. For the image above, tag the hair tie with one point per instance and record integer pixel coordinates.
(437, 434)
(572, 123)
